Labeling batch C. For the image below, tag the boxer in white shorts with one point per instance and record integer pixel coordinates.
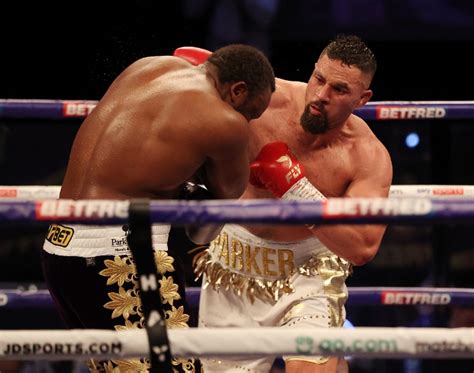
(308, 145)
(251, 282)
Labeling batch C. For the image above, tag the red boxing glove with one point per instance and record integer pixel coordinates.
(194, 55)
(278, 170)
(275, 168)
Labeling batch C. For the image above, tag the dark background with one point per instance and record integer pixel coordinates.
(423, 48)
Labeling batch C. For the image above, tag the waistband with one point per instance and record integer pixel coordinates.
(243, 252)
(263, 269)
(97, 240)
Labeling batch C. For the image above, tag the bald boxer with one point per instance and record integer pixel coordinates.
(307, 145)
(164, 121)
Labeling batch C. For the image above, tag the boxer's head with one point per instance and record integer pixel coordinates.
(245, 77)
(339, 84)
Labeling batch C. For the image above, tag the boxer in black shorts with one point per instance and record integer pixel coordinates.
(163, 122)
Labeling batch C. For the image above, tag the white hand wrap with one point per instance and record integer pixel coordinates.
(302, 189)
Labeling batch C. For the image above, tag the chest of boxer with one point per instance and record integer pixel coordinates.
(330, 168)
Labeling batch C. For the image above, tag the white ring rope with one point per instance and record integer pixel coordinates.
(52, 191)
(79, 344)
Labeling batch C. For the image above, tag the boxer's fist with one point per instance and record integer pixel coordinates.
(194, 55)
(276, 169)
(200, 234)
(193, 191)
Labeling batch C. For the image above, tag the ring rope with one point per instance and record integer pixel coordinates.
(400, 342)
(375, 110)
(52, 191)
(359, 296)
(398, 210)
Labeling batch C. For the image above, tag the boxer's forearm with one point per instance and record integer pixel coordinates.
(357, 244)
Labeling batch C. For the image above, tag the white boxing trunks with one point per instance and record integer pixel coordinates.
(89, 241)
(251, 282)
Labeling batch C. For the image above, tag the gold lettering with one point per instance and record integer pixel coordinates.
(220, 240)
(267, 261)
(237, 254)
(250, 259)
(285, 258)
(242, 257)
(223, 243)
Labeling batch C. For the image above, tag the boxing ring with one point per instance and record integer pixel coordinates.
(408, 204)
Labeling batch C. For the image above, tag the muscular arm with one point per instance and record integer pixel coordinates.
(226, 170)
(359, 243)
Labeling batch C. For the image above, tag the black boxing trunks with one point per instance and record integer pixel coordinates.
(90, 273)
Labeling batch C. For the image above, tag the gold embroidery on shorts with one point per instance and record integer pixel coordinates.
(220, 241)
(251, 259)
(130, 325)
(126, 303)
(219, 277)
(118, 366)
(164, 262)
(286, 258)
(237, 255)
(134, 365)
(224, 254)
(187, 366)
(119, 270)
(169, 290)
(254, 260)
(266, 254)
(176, 318)
(334, 272)
(332, 269)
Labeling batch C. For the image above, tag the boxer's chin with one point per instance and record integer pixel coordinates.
(314, 124)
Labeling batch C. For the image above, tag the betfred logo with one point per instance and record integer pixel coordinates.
(8, 193)
(409, 112)
(340, 207)
(65, 209)
(404, 297)
(448, 191)
(78, 109)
